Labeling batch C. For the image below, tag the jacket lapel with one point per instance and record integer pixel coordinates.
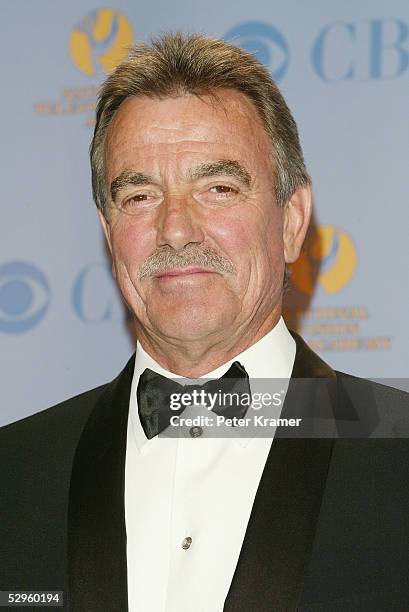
(279, 536)
(97, 569)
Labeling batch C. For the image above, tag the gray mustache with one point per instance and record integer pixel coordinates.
(167, 258)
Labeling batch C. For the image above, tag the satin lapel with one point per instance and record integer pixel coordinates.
(279, 536)
(97, 569)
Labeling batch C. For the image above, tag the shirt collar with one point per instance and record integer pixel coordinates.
(270, 357)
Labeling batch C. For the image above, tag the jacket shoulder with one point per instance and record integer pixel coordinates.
(383, 393)
(36, 455)
(371, 409)
(68, 413)
(48, 438)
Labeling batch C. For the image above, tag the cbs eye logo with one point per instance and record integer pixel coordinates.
(265, 42)
(24, 296)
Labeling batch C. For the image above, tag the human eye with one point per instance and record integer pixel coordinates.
(223, 190)
(139, 202)
(219, 194)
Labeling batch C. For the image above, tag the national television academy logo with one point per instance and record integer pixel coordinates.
(329, 260)
(100, 41)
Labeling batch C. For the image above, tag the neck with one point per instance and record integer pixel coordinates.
(193, 359)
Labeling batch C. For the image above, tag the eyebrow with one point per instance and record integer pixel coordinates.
(229, 167)
(129, 177)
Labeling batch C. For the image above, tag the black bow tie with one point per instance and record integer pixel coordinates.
(154, 396)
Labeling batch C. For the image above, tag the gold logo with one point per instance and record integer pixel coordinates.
(100, 42)
(329, 260)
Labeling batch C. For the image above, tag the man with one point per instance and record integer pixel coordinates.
(204, 198)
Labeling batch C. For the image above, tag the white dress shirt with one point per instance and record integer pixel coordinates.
(198, 488)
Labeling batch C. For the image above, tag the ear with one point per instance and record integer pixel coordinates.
(297, 215)
(106, 228)
(107, 231)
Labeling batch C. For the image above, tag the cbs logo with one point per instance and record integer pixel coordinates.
(265, 42)
(25, 295)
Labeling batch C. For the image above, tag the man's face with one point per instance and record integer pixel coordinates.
(197, 239)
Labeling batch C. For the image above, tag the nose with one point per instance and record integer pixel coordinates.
(178, 224)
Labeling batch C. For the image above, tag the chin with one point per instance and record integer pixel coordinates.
(190, 324)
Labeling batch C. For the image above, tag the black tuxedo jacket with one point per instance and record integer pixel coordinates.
(329, 527)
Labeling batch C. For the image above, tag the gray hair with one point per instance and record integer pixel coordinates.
(178, 64)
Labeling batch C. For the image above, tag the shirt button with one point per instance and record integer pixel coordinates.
(186, 543)
(195, 432)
